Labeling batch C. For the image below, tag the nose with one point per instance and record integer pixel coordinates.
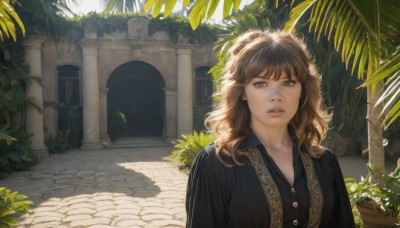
(276, 99)
(276, 95)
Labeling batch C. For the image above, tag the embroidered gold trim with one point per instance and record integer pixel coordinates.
(269, 187)
(315, 192)
(272, 194)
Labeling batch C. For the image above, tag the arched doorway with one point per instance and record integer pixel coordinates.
(135, 101)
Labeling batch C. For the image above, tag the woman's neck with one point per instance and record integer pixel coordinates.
(273, 138)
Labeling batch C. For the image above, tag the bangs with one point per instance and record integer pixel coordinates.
(274, 61)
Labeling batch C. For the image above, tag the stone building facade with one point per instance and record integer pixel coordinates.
(155, 84)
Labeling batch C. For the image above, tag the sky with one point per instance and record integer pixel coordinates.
(86, 6)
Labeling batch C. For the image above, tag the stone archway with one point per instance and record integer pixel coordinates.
(136, 101)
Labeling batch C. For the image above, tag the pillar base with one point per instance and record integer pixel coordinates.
(91, 145)
(171, 140)
(106, 141)
(41, 153)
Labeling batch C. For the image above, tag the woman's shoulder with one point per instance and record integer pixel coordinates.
(209, 155)
(327, 162)
(328, 154)
(210, 159)
(326, 157)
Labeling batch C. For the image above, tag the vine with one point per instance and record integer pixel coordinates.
(108, 23)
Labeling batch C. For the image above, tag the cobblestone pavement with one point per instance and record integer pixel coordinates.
(125, 187)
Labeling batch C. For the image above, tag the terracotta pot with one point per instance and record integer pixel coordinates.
(372, 219)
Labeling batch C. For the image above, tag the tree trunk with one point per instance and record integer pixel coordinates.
(375, 138)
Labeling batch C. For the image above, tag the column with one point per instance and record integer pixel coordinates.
(104, 138)
(34, 119)
(185, 92)
(171, 117)
(90, 95)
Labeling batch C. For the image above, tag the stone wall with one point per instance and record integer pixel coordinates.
(105, 54)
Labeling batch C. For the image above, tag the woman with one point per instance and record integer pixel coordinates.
(267, 167)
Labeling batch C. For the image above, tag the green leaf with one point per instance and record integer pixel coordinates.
(169, 6)
(385, 71)
(353, 187)
(8, 222)
(157, 8)
(227, 8)
(9, 16)
(186, 150)
(198, 12)
(212, 7)
(236, 4)
(149, 4)
(186, 3)
(297, 12)
(393, 114)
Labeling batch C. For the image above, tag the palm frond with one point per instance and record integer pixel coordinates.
(113, 6)
(297, 12)
(234, 27)
(366, 33)
(200, 10)
(391, 95)
(8, 18)
(353, 26)
(169, 6)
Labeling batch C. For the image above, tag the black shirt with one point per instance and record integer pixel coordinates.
(221, 196)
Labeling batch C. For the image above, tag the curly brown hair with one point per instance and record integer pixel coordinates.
(270, 53)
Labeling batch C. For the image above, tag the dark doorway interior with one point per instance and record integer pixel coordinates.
(135, 101)
(203, 99)
(69, 104)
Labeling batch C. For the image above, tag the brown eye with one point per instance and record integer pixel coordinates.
(289, 83)
(260, 84)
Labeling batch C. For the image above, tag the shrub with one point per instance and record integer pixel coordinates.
(17, 155)
(57, 143)
(116, 123)
(187, 148)
(12, 205)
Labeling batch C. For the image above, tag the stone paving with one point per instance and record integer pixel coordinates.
(125, 187)
(119, 187)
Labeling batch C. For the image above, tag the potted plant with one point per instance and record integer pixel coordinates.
(378, 204)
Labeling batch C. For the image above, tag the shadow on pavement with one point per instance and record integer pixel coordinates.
(126, 171)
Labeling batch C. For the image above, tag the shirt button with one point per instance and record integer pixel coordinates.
(292, 190)
(295, 204)
(295, 222)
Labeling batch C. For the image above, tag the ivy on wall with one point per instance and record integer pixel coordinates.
(173, 25)
(107, 23)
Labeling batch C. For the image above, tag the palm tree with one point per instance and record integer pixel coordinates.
(8, 18)
(43, 11)
(365, 32)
